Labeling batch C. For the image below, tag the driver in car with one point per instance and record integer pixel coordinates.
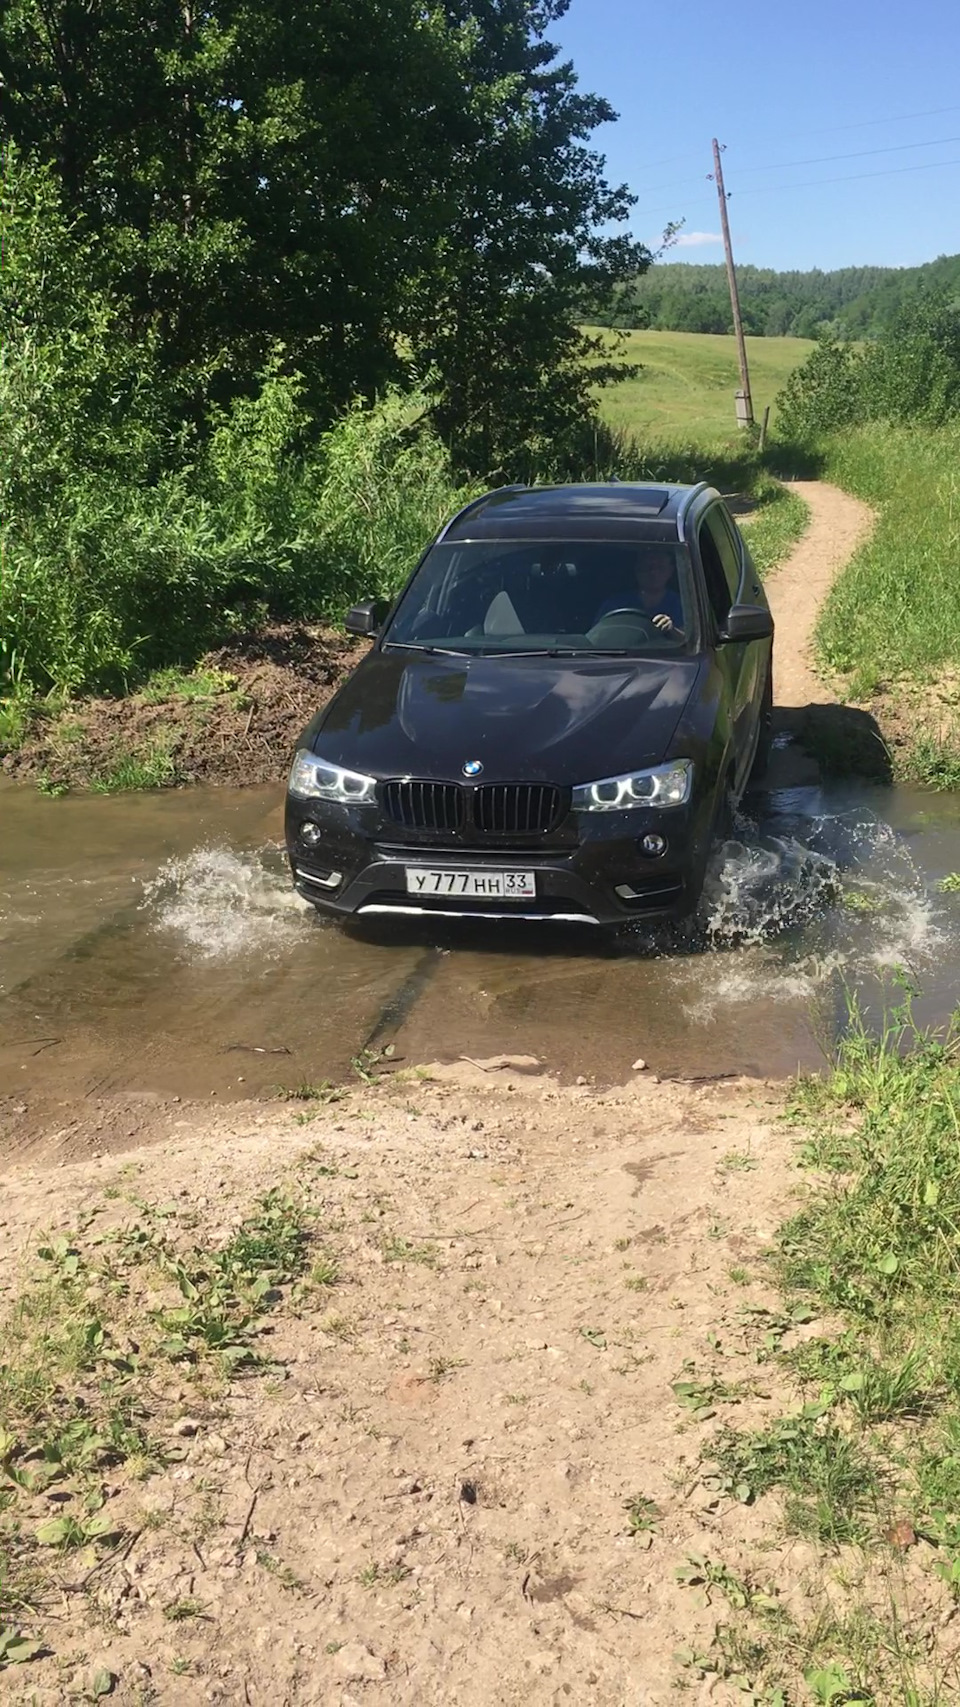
(654, 593)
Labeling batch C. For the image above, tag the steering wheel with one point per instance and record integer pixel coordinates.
(610, 616)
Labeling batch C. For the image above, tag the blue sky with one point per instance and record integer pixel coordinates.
(782, 85)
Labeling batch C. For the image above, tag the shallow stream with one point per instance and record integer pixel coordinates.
(153, 943)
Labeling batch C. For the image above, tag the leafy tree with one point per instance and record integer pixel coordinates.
(499, 325)
(373, 185)
(254, 173)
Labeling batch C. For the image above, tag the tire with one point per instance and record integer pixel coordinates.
(761, 758)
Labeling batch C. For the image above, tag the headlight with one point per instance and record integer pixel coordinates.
(663, 785)
(316, 779)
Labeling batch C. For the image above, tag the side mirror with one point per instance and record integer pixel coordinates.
(367, 618)
(746, 622)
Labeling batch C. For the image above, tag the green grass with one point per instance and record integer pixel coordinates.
(871, 1447)
(14, 719)
(151, 766)
(896, 608)
(676, 421)
(774, 527)
(190, 685)
(686, 388)
(934, 759)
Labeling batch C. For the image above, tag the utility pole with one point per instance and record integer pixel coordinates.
(744, 399)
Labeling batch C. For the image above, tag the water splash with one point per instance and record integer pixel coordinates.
(223, 904)
(760, 887)
(798, 907)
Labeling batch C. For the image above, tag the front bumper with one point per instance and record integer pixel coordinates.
(593, 872)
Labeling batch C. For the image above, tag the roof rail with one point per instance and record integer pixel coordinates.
(685, 503)
(516, 486)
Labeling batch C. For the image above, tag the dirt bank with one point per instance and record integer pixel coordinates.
(261, 690)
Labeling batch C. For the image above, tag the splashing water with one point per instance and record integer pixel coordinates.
(760, 888)
(223, 904)
(846, 902)
(790, 908)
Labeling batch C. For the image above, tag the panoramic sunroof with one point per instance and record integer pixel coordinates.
(612, 500)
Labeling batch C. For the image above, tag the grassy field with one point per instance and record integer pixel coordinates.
(686, 389)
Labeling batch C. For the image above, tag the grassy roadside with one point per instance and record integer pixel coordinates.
(890, 630)
(865, 1462)
(775, 525)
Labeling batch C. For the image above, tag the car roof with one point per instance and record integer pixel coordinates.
(603, 510)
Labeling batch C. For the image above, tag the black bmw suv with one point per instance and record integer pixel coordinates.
(554, 720)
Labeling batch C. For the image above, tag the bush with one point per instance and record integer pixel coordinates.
(822, 394)
(137, 531)
(911, 373)
(117, 576)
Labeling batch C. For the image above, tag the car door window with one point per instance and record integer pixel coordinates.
(722, 533)
(731, 551)
(721, 570)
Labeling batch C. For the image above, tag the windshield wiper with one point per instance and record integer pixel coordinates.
(412, 646)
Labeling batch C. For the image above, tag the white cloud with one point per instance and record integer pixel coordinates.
(697, 239)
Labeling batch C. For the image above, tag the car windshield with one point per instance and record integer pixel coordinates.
(582, 596)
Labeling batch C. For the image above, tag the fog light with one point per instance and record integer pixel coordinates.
(311, 834)
(653, 846)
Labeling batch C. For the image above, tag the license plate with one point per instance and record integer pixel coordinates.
(477, 885)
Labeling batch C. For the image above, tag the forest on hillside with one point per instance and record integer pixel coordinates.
(852, 302)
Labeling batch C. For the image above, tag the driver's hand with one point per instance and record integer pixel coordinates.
(664, 623)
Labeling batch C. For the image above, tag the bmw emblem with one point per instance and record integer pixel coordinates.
(472, 767)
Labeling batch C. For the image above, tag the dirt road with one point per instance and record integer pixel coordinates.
(838, 525)
(424, 1498)
(473, 1452)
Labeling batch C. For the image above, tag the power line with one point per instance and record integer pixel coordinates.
(815, 160)
(848, 178)
(823, 130)
(809, 183)
(888, 118)
(859, 154)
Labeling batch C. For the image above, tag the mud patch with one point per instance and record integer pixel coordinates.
(272, 683)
